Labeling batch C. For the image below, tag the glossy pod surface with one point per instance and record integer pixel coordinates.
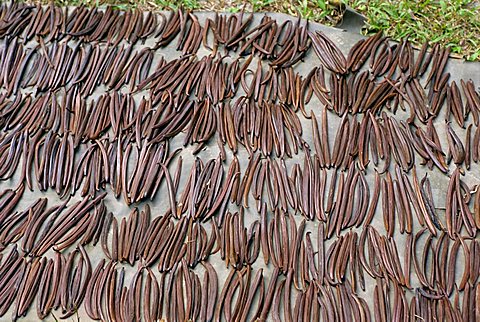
(181, 166)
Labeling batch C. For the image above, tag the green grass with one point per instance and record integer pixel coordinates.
(174, 4)
(324, 11)
(452, 23)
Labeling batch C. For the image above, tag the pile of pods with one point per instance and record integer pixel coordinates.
(285, 196)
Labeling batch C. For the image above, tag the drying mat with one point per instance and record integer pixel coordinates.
(332, 300)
